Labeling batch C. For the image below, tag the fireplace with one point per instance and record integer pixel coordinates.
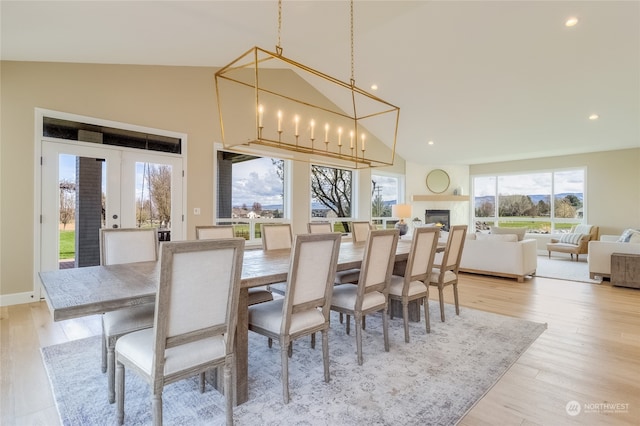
(441, 217)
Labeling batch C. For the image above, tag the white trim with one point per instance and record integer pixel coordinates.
(18, 298)
(40, 113)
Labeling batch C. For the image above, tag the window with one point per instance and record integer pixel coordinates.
(332, 195)
(543, 202)
(385, 192)
(251, 191)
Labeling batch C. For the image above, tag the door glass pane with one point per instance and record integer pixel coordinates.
(153, 197)
(81, 209)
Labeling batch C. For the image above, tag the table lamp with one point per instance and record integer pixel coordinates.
(401, 211)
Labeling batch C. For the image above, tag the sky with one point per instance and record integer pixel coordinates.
(531, 183)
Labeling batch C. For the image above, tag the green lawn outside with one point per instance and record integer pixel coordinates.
(67, 244)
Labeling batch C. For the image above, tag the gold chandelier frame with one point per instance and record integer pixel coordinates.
(269, 100)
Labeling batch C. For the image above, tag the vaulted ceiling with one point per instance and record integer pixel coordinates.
(484, 80)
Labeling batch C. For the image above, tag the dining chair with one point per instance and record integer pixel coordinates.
(319, 227)
(214, 232)
(117, 246)
(194, 325)
(359, 233)
(445, 268)
(304, 310)
(276, 236)
(370, 294)
(414, 285)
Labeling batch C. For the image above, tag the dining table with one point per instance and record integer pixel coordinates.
(91, 290)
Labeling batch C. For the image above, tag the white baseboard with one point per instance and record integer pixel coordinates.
(17, 298)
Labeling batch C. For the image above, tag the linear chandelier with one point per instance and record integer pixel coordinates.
(269, 100)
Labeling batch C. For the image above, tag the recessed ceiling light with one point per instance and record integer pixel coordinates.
(430, 142)
(374, 87)
(594, 117)
(571, 21)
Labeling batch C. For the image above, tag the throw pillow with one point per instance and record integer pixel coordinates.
(571, 238)
(518, 232)
(627, 235)
(582, 229)
(511, 238)
(635, 237)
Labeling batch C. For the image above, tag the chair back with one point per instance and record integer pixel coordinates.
(128, 245)
(276, 236)
(377, 263)
(360, 231)
(197, 300)
(312, 269)
(214, 232)
(421, 255)
(319, 227)
(453, 249)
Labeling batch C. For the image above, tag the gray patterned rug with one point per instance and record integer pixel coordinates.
(433, 380)
(562, 267)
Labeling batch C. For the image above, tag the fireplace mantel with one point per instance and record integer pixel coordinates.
(439, 197)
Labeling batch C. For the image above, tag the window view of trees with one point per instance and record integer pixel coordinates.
(542, 202)
(153, 200)
(331, 193)
(384, 193)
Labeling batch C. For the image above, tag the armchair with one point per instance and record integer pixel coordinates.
(576, 242)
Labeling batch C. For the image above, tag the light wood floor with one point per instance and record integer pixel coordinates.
(590, 353)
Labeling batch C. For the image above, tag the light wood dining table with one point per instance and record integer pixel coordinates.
(73, 293)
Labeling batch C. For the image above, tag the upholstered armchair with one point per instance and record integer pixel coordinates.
(576, 242)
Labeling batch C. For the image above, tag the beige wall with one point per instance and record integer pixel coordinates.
(178, 99)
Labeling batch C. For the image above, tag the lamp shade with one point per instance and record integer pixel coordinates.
(401, 210)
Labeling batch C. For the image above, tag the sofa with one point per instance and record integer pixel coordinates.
(501, 255)
(599, 256)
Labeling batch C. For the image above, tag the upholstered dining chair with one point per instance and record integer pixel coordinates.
(304, 310)
(194, 325)
(414, 285)
(445, 269)
(276, 236)
(370, 294)
(215, 232)
(124, 245)
(319, 227)
(359, 233)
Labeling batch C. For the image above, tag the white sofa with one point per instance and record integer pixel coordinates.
(599, 256)
(499, 255)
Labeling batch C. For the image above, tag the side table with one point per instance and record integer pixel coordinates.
(625, 270)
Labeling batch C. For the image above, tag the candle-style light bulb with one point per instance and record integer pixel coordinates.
(313, 125)
(326, 132)
(296, 120)
(351, 142)
(260, 112)
(339, 136)
(363, 137)
(279, 120)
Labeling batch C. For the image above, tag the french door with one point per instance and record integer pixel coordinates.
(85, 187)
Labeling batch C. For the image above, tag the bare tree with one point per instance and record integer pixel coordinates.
(160, 191)
(67, 202)
(331, 187)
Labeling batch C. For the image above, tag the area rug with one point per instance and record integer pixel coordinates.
(565, 269)
(435, 379)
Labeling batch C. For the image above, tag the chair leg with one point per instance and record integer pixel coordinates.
(348, 323)
(156, 407)
(313, 340)
(341, 318)
(270, 342)
(202, 380)
(441, 303)
(325, 354)
(455, 297)
(228, 391)
(290, 349)
(364, 322)
(358, 326)
(285, 373)
(405, 316)
(385, 329)
(426, 314)
(111, 374)
(120, 393)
